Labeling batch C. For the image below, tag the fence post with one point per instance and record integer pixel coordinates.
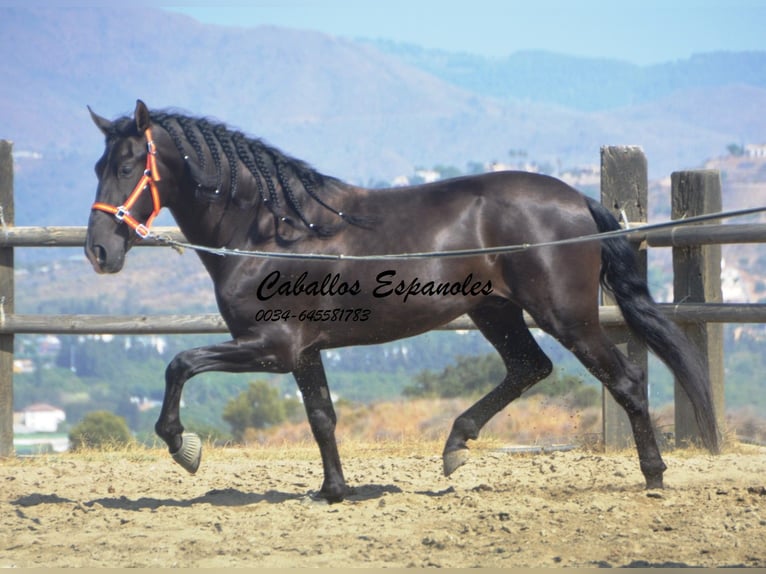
(624, 191)
(697, 278)
(6, 302)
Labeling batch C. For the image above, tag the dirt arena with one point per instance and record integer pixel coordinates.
(249, 507)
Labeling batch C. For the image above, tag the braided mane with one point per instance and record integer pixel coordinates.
(286, 186)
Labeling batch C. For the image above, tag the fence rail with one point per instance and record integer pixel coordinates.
(609, 316)
(623, 183)
(681, 236)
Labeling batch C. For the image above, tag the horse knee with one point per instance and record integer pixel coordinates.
(179, 368)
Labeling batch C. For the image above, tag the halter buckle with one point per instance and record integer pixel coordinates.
(142, 231)
(121, 213)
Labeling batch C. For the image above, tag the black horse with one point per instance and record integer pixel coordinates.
(228, 190)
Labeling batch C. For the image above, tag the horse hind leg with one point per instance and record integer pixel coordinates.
(525, 363)
(626, 382)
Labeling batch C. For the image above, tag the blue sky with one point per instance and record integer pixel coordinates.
(645, 32)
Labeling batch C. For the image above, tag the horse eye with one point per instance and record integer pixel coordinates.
(125, 169)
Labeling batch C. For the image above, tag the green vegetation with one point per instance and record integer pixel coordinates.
(735, 149)
(259, 407)
(477, 375)
(99, 429)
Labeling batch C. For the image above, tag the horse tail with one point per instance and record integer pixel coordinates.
(620, 276)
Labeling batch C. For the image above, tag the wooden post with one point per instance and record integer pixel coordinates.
(624, 191)
(6, 302)
(697, 278)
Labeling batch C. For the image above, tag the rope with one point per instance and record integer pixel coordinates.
(640, 231)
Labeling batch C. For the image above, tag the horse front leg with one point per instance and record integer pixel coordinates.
(237, 356)
(185, 448)
(312, 382)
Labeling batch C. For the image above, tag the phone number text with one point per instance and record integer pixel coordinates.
(315, 315)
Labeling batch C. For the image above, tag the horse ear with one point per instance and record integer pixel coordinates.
(142, 116)
(101, 123)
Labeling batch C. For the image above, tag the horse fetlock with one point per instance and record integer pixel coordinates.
(464, 429)
(334, 491)
(171, 434)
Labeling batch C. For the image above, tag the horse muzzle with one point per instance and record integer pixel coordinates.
(104, 260)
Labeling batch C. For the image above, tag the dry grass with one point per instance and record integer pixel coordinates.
(412, 428)
(533, 420)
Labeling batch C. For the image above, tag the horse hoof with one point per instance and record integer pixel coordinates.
(454, 459)
(190, 453)
(313, 499)
(654, 483)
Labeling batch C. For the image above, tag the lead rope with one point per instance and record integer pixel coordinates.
(638, 231)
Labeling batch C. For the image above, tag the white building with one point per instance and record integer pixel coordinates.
(41, 417)
(755, 150)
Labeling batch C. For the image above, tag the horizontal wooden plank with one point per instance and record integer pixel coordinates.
(712, 234)
(113, 324)
(213, 323)
(680, 236)
(51, 236)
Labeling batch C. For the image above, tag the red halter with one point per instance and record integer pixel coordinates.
(148, 180)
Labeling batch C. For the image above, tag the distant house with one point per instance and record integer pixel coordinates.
(41, 417)
(23, 366)
(755, 150)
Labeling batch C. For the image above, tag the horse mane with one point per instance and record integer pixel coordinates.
(286, 186)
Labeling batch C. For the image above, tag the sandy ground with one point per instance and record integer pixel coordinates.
(249, 507)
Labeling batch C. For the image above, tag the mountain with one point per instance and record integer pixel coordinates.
(589, 84)
(358, 110)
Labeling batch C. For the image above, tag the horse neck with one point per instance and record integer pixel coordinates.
(238, 192)
(211, 223)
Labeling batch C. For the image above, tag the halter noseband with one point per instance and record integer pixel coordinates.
(148, 180)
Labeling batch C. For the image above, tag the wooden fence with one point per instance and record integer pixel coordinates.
(624, 189)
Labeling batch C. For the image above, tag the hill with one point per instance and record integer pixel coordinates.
(358, 110)
(588, 84)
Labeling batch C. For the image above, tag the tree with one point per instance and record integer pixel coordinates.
(258, 407)
(474, 167)
(735, 150)
(477, 375)
(99, 429)
(447, 171)
(468, 376)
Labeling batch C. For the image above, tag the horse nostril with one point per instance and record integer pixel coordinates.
(96, 254)
(100, 254)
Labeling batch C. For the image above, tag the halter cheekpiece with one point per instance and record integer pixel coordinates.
(148, 181)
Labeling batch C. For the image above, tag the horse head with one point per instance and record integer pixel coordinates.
(129, 194)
